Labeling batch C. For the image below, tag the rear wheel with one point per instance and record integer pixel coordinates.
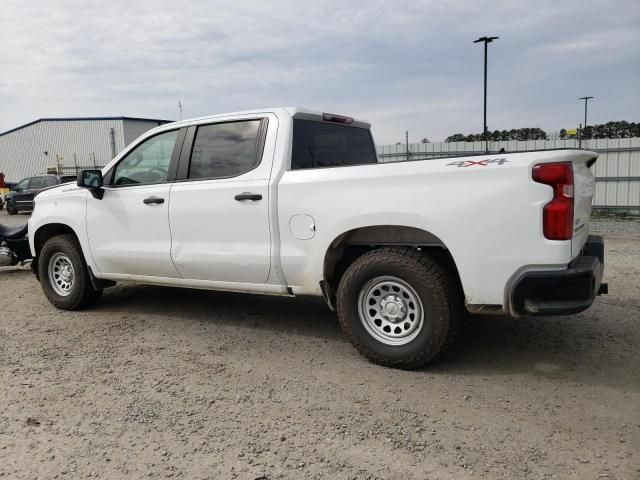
(11, 208)
(399, 307)
(64, 275)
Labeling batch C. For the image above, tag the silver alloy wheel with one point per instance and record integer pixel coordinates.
(390, 310)
(61, 274)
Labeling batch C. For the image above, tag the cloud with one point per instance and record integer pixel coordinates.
(404, 65)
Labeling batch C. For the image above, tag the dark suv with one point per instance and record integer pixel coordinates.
(21, 195)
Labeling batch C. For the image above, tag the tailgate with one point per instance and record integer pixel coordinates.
(584, 188)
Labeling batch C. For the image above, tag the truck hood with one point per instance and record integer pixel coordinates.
(58, 190)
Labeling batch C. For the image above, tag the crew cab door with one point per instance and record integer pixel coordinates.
(35, 186)
(21, 195)
(128, 228)
(219, 205)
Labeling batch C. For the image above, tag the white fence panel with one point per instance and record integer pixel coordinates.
(617, 170)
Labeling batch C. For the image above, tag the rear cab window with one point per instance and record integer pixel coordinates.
(318, 144)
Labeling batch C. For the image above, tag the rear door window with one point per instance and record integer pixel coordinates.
(225, 149)
(320, 144)
(50, 181)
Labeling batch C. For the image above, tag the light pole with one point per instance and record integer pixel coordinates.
(586, 101)
(486, 41)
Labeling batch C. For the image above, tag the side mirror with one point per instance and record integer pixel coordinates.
(91, 180)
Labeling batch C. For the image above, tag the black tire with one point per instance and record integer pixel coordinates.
(11, 209)
(81, 293)
(439, 297)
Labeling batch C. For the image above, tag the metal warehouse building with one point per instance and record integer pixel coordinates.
(67, 143)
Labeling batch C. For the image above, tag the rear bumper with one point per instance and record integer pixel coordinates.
(562, 292)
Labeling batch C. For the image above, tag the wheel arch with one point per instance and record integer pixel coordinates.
(49, 230)
(346, 247)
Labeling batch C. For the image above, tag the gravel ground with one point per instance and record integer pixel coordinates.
(614, 224)
(160, 383)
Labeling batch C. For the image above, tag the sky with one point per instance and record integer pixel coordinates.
(402, 65)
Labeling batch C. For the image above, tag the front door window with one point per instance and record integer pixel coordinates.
(148, 163)
(37, 183)
(23, 185)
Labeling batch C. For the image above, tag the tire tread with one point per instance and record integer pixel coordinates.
(86, 295)
(445, 291)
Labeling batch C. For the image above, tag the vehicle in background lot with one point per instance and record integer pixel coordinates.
(3, 190)
(20, 198)
(14, 245)
(292, 202)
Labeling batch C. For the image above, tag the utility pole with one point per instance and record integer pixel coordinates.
(406, 143)
(586, 101)
(486, 41)
(580, 136)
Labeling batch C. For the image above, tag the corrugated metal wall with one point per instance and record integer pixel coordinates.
(134, 128)
(22, 151)
(617, 170)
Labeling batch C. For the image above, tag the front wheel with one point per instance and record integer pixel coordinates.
(11, 208)
(64, 275)
(399, 307)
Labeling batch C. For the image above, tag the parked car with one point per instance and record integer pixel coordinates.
(293, 202)
(21, 196)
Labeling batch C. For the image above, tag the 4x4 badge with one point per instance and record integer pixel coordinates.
(482, 163)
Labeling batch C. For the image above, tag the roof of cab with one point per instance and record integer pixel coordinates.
(295, 112)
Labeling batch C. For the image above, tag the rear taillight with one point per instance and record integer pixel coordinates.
(557, 216)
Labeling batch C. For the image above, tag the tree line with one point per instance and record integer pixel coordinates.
(497, 135)
(606, 130)
(619, 129)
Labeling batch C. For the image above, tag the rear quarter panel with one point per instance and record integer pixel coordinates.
(584, 189)
(489, 216)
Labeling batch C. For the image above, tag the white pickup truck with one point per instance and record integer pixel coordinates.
(287, 201)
